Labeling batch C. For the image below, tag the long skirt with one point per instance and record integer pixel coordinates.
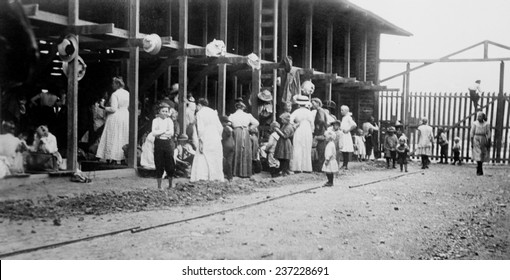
(243, 154)
(480, 148)
(115, 136)
(302, 149)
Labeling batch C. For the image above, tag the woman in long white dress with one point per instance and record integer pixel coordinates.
(208, 161)
(302, 118)
(116, 131)
(425, 140)
(345, 141)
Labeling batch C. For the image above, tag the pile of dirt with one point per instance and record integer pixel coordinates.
(100, 203)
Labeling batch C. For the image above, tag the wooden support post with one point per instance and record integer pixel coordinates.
(405, 101)
(72, 96)
(168, 72)
(308, 37)
(183, 59)
(363, 65)
(132, 77)
(222, 67)
(257, 34)
(329, 58)
(347, 55)
(500, 113)
(285, 28)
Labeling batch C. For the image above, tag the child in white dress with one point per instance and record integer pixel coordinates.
(359, 145)
(330, 166)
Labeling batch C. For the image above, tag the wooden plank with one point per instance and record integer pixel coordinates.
(133, 71)
(183, 60)
(72, 95)
(256, 73)
(91, 29)
(454, 129)
(347, 50)
(224, 21)
(430, 61)
(285, 28)
(363, 63)
(30, 9)
(507, 128)
(470, 121)
(329, 57)
(222, 87)
(449, 111)
(500, 112)
(275, 42)
(307, 63)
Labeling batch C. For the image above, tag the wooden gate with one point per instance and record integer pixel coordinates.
(452, 111)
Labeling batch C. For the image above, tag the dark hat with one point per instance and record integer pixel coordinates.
(478, 81)
(163, 105)
(265, 95)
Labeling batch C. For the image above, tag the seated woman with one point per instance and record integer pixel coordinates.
(11, 159)
(183, 156)
(45, 143)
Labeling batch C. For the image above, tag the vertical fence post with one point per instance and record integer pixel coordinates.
(500, 113)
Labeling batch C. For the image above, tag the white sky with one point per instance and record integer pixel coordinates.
(439, 28)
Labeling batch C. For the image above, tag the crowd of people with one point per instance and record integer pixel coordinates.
(306, 138)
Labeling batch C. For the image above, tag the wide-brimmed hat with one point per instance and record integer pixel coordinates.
(265, 95)
(336, 122)
(152, 44)
(307, 87)
(182, 137)
(253, 61)
(392, 129)
(82, 68)
(398, 124)
(174, 88)
(67, 49)
(302, 100)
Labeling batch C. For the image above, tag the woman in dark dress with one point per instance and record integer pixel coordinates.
(283, 150)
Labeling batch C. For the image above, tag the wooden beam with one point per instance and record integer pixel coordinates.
(31, 9)
(285, 28)
(72, 95)
(256, 73)
(500, 113)
(430, 61)
(91, 29)
(363, 64)
(183, 60)
(222, 67)
(347, 54)
(132, 77)
(308, 37)
(162, 68)
(329, 57)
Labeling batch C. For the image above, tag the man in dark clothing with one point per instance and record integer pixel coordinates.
(321, 124)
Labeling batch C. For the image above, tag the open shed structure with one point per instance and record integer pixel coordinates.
(334, 43)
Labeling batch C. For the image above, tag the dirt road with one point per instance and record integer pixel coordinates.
(445, 212)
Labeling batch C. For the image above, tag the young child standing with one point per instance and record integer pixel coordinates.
(336, 129)
(442, 141)
(270, 147)
(359, 145)
(163, 131)
(330, 166)
(456, 150)
(254, 137)
(227, 141)
(402, 153)
(283, 150)
(390, 146)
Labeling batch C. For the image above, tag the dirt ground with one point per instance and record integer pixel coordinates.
(445, 212)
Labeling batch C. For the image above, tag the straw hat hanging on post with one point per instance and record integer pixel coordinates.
(67, 48)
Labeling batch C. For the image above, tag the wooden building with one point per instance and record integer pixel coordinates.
(334, 43)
